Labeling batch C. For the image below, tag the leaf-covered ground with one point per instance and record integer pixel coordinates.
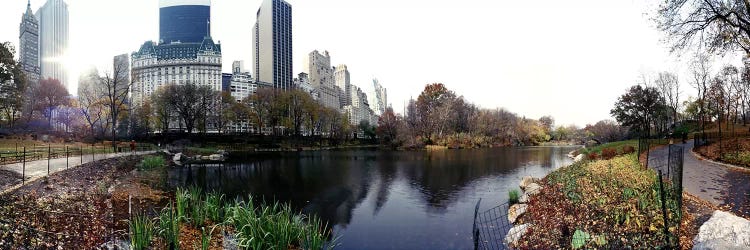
(614, 202)
(735, 151)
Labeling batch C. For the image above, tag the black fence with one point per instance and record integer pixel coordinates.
(493, 230)
(74, 155)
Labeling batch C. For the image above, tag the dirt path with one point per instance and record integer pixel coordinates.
(720, 185)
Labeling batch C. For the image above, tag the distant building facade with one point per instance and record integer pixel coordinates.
(28, 50)
(272, 44)
(177, 61)
(185, 21)
(342, 80)
(53, 40)
(379, 98)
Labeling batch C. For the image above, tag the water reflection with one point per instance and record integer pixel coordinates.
(382, 199)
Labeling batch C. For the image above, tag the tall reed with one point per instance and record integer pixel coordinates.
(141, 230)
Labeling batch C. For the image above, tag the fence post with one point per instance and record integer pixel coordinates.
(49, 155)
(81, 148)
(92, 153)
(67, 157)
(23, 176)
(474, 230)
(664, 207)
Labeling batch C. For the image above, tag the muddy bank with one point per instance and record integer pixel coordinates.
(8, 179)
(80, 208)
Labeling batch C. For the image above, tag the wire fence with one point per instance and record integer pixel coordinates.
(493, 229)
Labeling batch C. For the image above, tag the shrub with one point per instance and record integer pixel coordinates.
(608, 153)
(152, 162)
(592, 156)
(513, 196)
(628, 150)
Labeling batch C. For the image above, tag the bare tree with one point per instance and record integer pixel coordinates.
(701, 78)
(115, 86)
(91, 101)
(669, 87)
(718, 25)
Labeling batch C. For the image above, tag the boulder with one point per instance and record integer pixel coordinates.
(526, 181)
(578, 158)
(216, 157)
(723, 231)
(515, 234)
(204, 157)
(516, 211)
(532, 189)
(166, 151)
(178, 157)
(222, 152)
(524, 198)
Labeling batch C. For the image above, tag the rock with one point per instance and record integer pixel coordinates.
(526, 181)
(178, 157)
(723, 231)
(532, 189)
(166, 151)
(524, 198)
(204, 157)
(515, 234)
(516, 211)
(578, 158)
(216, 157)
(222, 152)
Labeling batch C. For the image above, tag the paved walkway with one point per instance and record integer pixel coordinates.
(38, 168)
(715, 183)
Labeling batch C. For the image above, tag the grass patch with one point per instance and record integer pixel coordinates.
(513, 196)
(152, 162)
(619, 145)
(614, 203)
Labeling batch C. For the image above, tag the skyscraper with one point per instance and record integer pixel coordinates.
(186, 21)
(272, 44)
(29, 45)
(343, 81)
(318, 68)
(379, 98)
(53, 40)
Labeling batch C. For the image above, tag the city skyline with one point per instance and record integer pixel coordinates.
(476, 53)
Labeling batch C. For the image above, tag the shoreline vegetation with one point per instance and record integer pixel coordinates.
(113, 201)
(589, 197)
(609, 198)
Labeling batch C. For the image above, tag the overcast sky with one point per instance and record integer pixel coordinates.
(568, 59)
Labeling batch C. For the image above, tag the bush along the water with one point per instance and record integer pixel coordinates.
(255, 226)
(513, 196)
(152, 162)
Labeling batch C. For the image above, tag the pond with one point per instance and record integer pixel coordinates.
(377, 199)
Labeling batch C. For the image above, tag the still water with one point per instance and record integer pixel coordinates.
(383, 199)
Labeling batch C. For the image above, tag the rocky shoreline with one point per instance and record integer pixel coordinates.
(530, 187)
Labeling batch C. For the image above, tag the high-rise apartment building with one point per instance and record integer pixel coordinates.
(238, 67)
(318, 68)
(342, 78)
(379, 97)
(53, 40)
(186, 21)
(272, 44)
(28, 51)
